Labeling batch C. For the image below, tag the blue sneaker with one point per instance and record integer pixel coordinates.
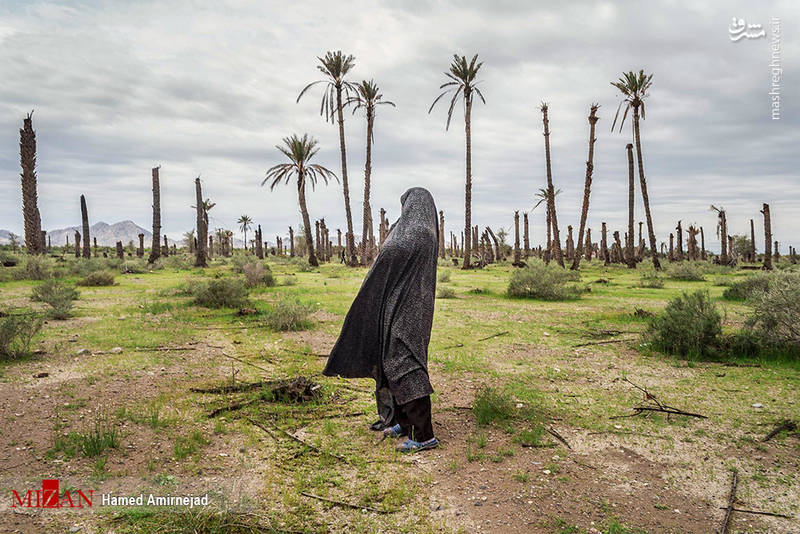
(410, 445)
(395, 431)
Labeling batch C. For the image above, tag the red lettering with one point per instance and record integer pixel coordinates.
(50, 493)
(82, 496)
(15, 497)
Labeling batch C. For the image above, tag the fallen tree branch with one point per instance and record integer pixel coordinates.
(244, 362)
(665, 409)
(234, 388)
(757, 512)
(503, 333)
(345, 504)
(603, 342)
(457, 345)
(786, 424)
(556, 435)
(300, 441)
(231, 407)
(731, 499)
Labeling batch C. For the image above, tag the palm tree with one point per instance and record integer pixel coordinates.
(722, 233)
(551, 199)
(202, 224)
(629, 241)
(463, 84)
(30, 208)
(634, 90)
(544, 196)
(587, 186)
(245, 222)
(367, 96)
(335, 66)
(155, 249)
(87, 250)
(300, 151)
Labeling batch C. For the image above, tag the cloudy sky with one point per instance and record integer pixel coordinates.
(209, 88)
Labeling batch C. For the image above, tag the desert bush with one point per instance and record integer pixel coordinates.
(776, 311)
(444, 276)
(492, 405)
(258, 274)
(685, 270)
(240, 259)
(222, 293)
(747, 287)
(289, 315)
(137, 266)
(16, 335)
(289, 280)
(58, 295)
(651, 278)
(84, 267)
(7, 257)
(177, 262)
(33, 267)
(97, 278)
(300, 265)
(445, 292)
(541, 281)
(690, 325)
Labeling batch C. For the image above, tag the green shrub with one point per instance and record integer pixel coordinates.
(690, 325)
(445, 292)
(289, 315)
(222, 293)
(177, 262)
(137, 266)
(34, 267)
(651, 278)
(289, 280)
(84, 267)
(444, 276)
(747, 287)
(258, 274)
(92, 441)
(685, 270)
(541, 281)
(776, 311)
(58, 295)
(492, 406)
(16, 335)
(97, 278)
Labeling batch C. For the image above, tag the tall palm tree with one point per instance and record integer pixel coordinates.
(335, 66)
(30, 208)
(463, 84)
(300, 151)
(587, 186)
(551, 199)
(367, 97)
(245, 222)
(634, 89)
(87, 250)
(629, 241)
(155, 249)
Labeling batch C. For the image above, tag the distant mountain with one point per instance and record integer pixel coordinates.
(107, 234)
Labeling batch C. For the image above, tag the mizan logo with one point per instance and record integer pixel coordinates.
(50, 497)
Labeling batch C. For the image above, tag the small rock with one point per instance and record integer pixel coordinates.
(757, 405)
(75, 528)
(41, 375)
(115, 350)
(546, 471)
(478, 503)
(81, 352)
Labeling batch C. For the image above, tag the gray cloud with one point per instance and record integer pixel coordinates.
(210, 88)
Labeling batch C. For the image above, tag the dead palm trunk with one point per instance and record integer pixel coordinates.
(155, 250)
(752, 241)
(441, 234)
(679, 241)
(767, 238)
(202, 227)
(291, 242)
(468, 187)
(87, 247)
(588, 246)
(517, 256)
(604, 244)
(587, 186)
(551, 195)
(301, 199)
(497, 252)
(30, 208)
(629, 241)
(702, 244)
(643, 183)
(526, 236)
(349, 237)
(77, 244)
